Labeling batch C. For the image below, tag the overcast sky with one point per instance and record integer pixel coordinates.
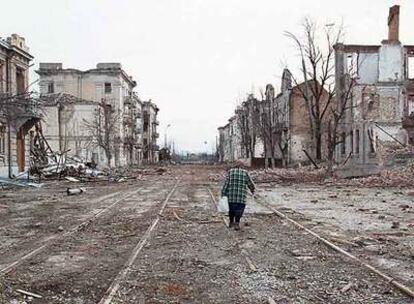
(194, 58)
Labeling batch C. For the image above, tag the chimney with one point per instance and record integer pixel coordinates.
(394, 23)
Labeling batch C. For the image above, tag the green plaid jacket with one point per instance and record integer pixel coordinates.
(236, 184)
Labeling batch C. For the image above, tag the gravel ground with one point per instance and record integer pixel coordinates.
(373, 223)
(191, 256)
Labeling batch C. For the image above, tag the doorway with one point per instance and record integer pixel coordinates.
(21, 154)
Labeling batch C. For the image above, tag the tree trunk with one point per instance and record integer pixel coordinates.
(273, 163)
(331, 146)
(318, 142)
(108, 158)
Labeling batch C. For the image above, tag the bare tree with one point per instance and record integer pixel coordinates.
(246, 126)
(103, 129)
(343, 103)
(271, 122)
(317, 53)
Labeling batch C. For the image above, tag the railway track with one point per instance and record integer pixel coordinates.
(394, 282)
(46, 242)
(245, 254)
(387, 278)
(117, 276)
(116, 283)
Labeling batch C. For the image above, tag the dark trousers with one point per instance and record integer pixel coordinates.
(236, 211)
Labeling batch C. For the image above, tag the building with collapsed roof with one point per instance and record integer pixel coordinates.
(377, 129)
(275, 129)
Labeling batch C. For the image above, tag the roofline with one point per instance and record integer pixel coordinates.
(90, 71)
(13, 48)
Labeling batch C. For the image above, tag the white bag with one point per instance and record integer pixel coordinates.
(223, 205)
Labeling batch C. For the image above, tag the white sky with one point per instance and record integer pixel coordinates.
(194, 58)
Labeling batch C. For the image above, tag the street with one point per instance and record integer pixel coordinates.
(160, 239)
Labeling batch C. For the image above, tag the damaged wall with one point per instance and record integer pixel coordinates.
(66, 130)
(373, 129)
(107, 82)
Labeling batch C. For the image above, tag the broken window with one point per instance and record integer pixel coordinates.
(371, 140)
(410, 72)
(351, 141)
(20, 86)
(2, 140)
(410, 105)
(108, 87)
(356, 141)
(343, 145)
(51, 87)
(352, 64)
(370, 105)
(1, 77)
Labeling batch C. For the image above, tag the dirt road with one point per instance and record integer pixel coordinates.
(161, 240)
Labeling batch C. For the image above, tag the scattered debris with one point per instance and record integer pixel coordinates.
(347, 287)
(271, 301)
(75, 191)
(71, 179)
(19, 183)
(29, 294)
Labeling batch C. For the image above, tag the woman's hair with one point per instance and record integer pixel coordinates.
(237, 164)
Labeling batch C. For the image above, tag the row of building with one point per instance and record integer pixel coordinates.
(376, 130)
(94, 115)
(274, 128)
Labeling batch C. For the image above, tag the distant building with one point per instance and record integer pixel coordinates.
(15, 127)
(107, 84)
(277, 127)
(150, 132)
(378, 122)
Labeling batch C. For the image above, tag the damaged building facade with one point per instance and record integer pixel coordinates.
(78, 99)
(377, 128)
(273, 131)
(150, 133)
(19, 111)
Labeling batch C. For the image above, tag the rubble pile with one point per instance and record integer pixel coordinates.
(388, 178)
(281, 175)
(58, 165)
(289, 176)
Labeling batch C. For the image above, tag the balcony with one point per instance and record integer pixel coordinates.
(23, 109)
(131, 100)
(156, 122)
(128, 118)
(155, 135)
(146, 117)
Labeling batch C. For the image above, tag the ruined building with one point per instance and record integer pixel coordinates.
(274, 130)
(19, 112)
(82, 97)
(150, 132)
(376, 82)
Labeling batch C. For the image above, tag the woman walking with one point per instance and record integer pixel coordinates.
(235, 187)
